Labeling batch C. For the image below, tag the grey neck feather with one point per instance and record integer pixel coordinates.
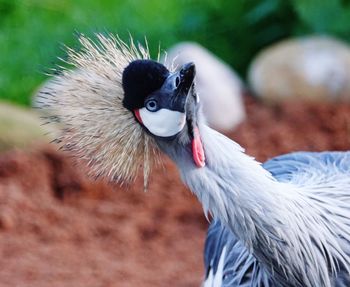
(293, 239)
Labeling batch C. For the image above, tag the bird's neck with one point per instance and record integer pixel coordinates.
(233, 186)
(266, 215)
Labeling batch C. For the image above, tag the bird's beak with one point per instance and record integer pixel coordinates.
(178, 85)
(187, 74)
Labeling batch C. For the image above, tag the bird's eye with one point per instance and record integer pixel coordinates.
(152, 105)
(177, 81)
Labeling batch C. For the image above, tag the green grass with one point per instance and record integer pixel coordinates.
(32, 31)
(32, 34)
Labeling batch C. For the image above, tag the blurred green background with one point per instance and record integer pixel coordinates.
(32, 32)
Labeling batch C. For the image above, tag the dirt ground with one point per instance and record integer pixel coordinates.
(59, 228)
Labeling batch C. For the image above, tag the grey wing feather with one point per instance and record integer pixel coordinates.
(286, 167)
(240, 267)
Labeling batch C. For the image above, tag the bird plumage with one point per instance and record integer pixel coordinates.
(311, 169)
(87, 103)
(284, 223)
(299, 232)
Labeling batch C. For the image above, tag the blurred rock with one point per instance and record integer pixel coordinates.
(310, 68)
(219, 87)
(20, 127)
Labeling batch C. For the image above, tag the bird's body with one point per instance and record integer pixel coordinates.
(284, 223)
(291, 215)
(238, 266)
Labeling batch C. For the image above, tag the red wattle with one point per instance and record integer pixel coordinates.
(137, 115)
(197, 149)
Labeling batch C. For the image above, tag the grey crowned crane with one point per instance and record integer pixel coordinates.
(283, 223)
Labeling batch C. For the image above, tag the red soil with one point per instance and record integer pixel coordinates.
(59, 228)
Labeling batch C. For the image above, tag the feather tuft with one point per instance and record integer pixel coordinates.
(86, 102)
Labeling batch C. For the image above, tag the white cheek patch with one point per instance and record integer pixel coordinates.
(164, 122)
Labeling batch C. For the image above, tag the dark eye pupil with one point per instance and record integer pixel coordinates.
(151, 105)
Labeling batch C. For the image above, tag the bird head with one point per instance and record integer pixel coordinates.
(164, 103)
(116, 103)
